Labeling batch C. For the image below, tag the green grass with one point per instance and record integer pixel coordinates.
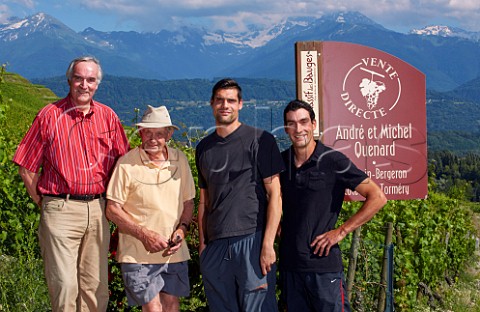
(24, 100)
(22, 285)
(462, 296)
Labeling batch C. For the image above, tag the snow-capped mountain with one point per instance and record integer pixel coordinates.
(42, 46)
(255, 37)
(40, 22)
(446, 31)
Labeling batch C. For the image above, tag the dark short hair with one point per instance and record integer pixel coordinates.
(80, 59)
(295, 105)
(226, 83)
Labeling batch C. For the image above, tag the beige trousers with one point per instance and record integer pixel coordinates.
(74, 237)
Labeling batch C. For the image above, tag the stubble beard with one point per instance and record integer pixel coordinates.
(225, 120)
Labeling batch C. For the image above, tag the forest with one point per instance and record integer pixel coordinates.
(456, 176)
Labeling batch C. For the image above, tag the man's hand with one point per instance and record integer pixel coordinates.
(152, 241)
(374, 200)
(322, 243)
(175, 242)
(267, 259)
(201, 248)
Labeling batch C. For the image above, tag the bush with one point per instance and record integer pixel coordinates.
(22, 286)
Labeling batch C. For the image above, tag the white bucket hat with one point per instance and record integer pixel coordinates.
(156, 117)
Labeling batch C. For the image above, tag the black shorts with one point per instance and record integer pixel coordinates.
(310, 291)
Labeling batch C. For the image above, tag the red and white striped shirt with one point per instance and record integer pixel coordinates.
(76, 152)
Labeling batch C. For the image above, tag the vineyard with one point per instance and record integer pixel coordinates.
(434, 240)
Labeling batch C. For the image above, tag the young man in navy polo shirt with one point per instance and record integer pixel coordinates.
(313, 188)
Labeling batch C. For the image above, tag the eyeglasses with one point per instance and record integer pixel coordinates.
(88, 80)
(155, 133)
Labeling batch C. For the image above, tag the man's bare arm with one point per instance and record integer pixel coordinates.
(152, 241)
(30, 179)
(178, 236)
(201, 222)
(374, 201)
(274, 213)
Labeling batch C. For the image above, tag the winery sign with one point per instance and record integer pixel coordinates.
(371, 106)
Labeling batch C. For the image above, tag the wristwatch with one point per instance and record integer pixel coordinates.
(187, 226)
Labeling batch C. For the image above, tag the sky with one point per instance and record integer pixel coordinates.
(228, 15)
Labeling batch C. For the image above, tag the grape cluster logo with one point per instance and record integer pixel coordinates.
(369, 87)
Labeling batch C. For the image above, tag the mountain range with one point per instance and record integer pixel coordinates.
(41, 46)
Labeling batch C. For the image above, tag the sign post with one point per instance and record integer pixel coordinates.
(371, 106)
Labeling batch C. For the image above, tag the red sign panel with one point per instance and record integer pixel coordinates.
(371, 106)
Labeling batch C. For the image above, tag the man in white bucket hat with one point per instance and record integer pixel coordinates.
(150, 199)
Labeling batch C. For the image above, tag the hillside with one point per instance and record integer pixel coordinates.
(469, 91)
(24, 99)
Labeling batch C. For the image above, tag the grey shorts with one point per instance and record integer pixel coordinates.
(144, 281)
(232, 276)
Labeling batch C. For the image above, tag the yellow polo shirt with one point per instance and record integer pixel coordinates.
(154, 198)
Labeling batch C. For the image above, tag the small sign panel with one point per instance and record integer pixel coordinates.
(309, 81)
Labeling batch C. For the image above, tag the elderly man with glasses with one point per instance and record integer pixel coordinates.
(150, 199)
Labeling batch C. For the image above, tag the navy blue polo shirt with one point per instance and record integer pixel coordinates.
(312, 197)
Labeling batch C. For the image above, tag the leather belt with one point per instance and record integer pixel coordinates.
(86, 197)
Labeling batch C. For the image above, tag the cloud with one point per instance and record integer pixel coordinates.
(4, 13)
(466, 11)
(25, 3)
(237, 14)
(154, 15)
(8, 6)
